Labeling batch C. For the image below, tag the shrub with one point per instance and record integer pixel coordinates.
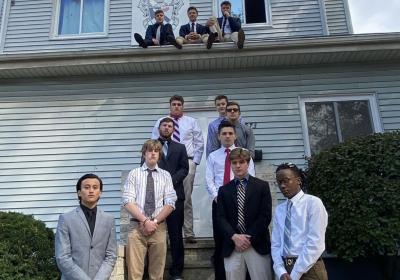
(359, 183)
(26, 248)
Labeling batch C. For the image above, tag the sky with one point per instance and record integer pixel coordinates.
(375, 16)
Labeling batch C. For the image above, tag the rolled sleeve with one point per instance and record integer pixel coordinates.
(129, 194)
(169, 193)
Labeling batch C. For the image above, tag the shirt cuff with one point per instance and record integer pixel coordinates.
(295, 275)
(170, 203)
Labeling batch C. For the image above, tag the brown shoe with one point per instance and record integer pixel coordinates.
(241, 38)
(211, 40)
(190, 240)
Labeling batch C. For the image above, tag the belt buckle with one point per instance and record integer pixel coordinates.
(289, 261)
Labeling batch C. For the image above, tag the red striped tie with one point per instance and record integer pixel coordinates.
(227, 169)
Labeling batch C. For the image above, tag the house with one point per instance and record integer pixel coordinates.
(77, 95)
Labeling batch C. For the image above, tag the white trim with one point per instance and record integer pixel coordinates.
(56, 17)
(324, 19)
(133, 42)
(268, 14)
(4, 24)
(348, 16)
(351, 96)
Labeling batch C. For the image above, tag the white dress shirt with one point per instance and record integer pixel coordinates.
(190, 135)
(309, 220)
(215, 170)
(135, 188)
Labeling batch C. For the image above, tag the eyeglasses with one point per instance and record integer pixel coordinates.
(233, 110)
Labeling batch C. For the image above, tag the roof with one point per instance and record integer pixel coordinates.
(283, 52)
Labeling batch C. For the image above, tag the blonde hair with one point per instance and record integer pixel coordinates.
(240, 153)
(151, 145)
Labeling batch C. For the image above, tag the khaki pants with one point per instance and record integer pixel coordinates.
(187, 206)
(316, 272)
(182, 40)
(137, 248)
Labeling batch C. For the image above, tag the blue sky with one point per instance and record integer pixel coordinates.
(374, 16)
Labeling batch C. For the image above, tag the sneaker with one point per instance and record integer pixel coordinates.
(139, 40)
(211, 40)
(241, 38)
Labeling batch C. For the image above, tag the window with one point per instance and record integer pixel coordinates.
(80, 17)
(249, 11)
(331, 120)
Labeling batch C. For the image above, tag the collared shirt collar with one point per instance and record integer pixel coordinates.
(297, 197)
(190, 23)
(144, 167)
(245, 177)
(230, 148)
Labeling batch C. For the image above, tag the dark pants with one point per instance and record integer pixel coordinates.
(174, 225)
(219, 269)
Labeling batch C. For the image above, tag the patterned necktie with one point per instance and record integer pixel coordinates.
(165, 148)
(158, 33)
(149, 202)
(176, 136)
(227, 168)
(286, 235)
(192, 28)
(241, 194)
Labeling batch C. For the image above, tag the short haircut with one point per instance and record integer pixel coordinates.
(240, 153)
(220, 97)
(88, 176)
(192, 8)
(297, 171)
(150, 145)
(158, 12)
(224, 124)
(233, 103)
(176, 98)
(226, 3)
(165, 120)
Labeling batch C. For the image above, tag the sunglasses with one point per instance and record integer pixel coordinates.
(232, 110)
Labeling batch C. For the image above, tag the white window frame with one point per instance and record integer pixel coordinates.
(4, 22)
(268, 15)
(373, 108)
(56, 20)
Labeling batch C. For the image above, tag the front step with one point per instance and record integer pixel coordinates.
(197, 260)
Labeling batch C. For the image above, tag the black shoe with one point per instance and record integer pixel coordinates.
(172, 41)
(211, 40)
(190, 240)
(241, 38)
(139, 40)
(175, 278)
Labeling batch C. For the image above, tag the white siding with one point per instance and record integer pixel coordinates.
(336, 17)
(54, 131)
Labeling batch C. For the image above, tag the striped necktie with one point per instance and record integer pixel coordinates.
(227, 167)
(286, 234)
(241, 194)
(176, 136)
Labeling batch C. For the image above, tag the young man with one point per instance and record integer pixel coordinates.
(85, 244)
(188, 132)
(218, 173)
(298, 232)
(175, 160)
(149, 197)
(244, 133)
(213, 143)
(243, 216)
(193, 32)
(231, 27)
(158, 34)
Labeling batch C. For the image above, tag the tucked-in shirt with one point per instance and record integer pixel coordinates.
(90, 214)
(309, 220)
(135, 188)
(190, 135)
(215, 170)
(213, 143)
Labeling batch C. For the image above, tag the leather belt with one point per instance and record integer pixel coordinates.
(290, 261)
(191, 158)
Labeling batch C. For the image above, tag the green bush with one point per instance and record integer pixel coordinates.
(26, 248)
(359, 183)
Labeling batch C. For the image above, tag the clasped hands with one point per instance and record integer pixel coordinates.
(242, 242)
(148, 227)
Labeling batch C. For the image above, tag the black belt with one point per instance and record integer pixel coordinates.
(290, 261)
(137, 221)
(191, 158)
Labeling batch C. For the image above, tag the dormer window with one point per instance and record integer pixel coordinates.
(254, 12)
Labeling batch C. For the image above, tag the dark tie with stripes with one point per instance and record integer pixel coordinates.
(149, 202)
(176, 136)
(241, 194)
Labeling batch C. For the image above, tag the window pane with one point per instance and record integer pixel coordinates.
(255, 11)
(93, 16)
(321, 123)
(355, 118)
(69, 17)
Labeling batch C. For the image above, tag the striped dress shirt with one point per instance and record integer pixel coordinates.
(135, 188)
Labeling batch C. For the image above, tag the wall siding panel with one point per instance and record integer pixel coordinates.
(53, 131)
(336, 17)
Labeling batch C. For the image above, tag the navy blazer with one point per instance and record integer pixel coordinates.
(234, 23)
(257, 208)
(185, 29)
(177, 164)
(166, 30)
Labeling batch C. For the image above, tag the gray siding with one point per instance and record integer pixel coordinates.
(336, 17)
(53, 131)
(29, 25)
